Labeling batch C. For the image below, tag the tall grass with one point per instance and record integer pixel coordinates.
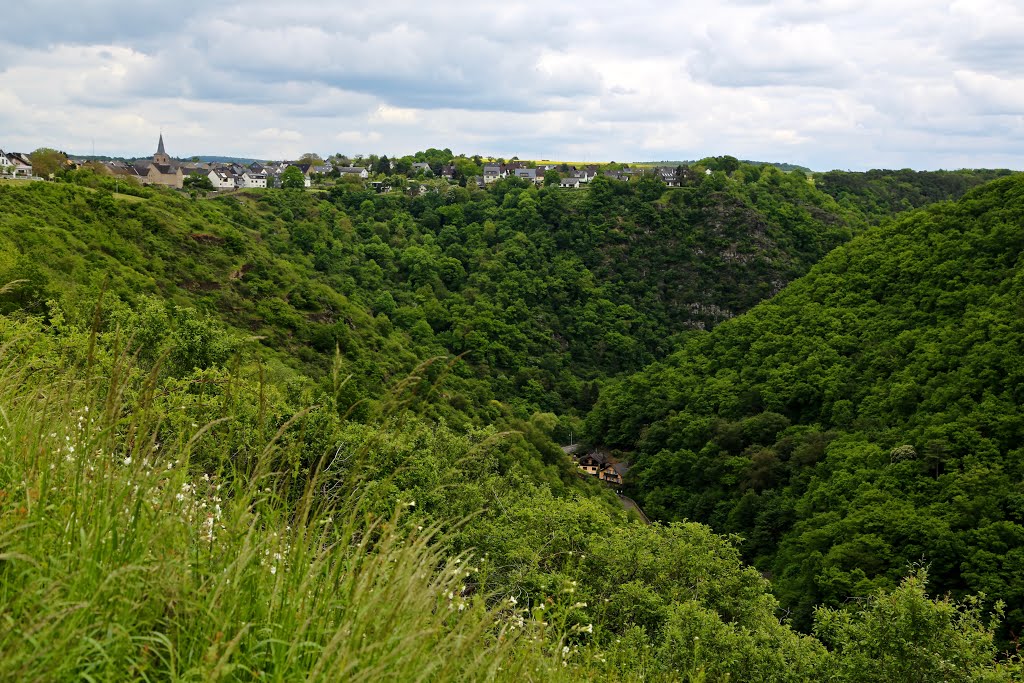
(120, 561)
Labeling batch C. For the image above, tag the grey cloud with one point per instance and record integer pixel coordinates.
(43, 23)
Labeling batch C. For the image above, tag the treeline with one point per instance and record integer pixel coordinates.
(866, 419)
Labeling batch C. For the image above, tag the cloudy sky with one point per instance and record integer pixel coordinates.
(826, 83)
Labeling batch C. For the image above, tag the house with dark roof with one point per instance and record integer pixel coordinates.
(15, 164)
(222, 178)
(530, 174)
(494, 172)
(602, 465)
(354, 170)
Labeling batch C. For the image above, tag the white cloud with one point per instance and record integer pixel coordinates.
(826, 83)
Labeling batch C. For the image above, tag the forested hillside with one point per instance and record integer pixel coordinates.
(540, 291)
(313, 435)
(865, 420)
(879, 194)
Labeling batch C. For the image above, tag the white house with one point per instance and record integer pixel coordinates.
(222, 179)
(494, 172)
(354, 170)
(13, 163)
(570, 182)
(253, 179)
(530, 174)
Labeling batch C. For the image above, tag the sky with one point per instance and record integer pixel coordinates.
(847, 84)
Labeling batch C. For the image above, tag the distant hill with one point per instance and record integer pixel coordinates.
(225, 160)
(784, 167)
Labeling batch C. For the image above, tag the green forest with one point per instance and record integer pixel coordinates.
(315, 434)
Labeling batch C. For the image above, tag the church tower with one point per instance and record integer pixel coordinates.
(161, 156)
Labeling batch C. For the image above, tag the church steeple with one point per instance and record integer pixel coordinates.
(161, 156)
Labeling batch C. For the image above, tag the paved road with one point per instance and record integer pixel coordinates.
(630, 504)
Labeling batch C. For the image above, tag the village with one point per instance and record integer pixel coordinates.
(163, 170)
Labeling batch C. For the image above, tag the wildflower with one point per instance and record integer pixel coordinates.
(512, 599)
(273, 569)
(128, 460)
(411, 504)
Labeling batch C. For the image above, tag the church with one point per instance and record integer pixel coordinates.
(162, 170)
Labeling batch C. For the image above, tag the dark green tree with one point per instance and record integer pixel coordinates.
(292, 179)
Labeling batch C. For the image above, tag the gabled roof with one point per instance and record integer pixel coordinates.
(620, 468)
(597, 456)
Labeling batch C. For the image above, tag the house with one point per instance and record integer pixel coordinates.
(122, 169)
(16, 164)
(592, 462)
(613, 473)
(570, 182)
(448, 171)
(668, 175)
(222, 178)
(494, 172)
(252, 179)
(529, 174)
(354, 170)
(601, 465)
(418, 166)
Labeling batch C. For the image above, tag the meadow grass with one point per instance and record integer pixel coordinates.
(120, 560)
